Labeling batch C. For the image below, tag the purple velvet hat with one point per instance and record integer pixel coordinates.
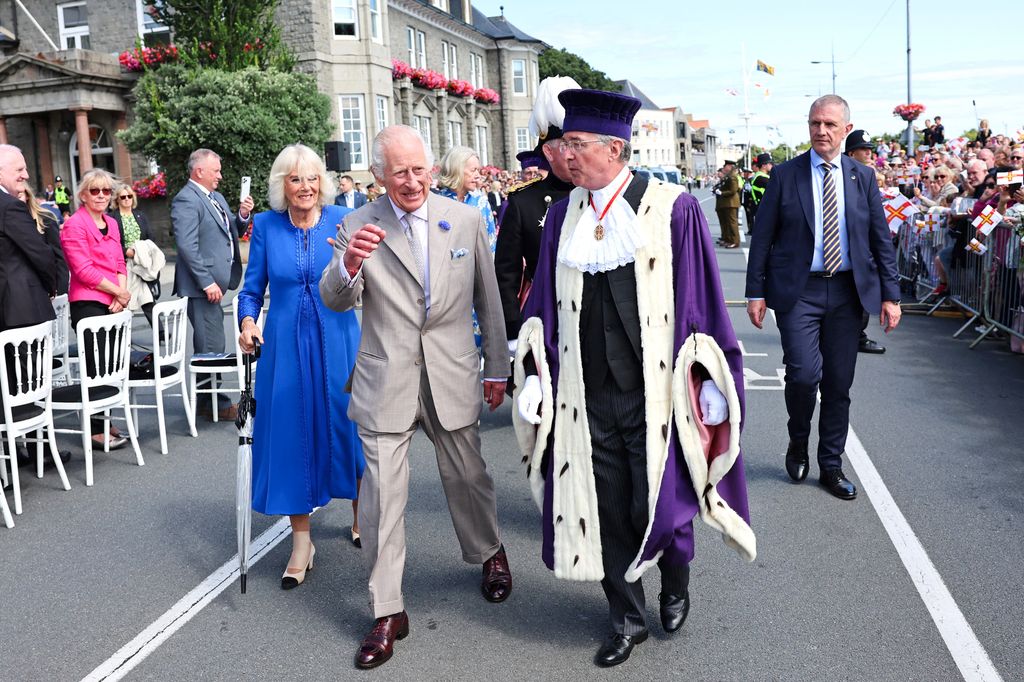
(596, 111)
(530, 159)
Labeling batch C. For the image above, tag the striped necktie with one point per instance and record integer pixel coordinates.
(830, 222)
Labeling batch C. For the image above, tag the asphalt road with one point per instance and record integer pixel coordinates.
(85, 571)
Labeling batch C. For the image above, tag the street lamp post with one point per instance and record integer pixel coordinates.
(830, 61)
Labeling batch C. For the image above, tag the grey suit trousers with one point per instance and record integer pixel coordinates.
(384, 492)
(618, 431)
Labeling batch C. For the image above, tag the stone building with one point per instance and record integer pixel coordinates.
(63, 95)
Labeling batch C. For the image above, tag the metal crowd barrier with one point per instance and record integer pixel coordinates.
(916, 251)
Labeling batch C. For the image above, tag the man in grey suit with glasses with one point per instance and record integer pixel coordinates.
(206, 233)
(420, 264)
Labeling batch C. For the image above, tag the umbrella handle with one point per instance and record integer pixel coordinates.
(248, 359)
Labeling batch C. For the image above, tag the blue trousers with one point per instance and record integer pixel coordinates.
(819, 348)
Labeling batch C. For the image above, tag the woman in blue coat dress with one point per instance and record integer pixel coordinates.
(305, 449)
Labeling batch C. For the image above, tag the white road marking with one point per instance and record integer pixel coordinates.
(136, 651)
(744, 353)
(967, 651)
(770, 383)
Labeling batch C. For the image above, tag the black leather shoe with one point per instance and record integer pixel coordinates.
(497, 577)
(868, 346)
(617, 648)
(673, 610)
(797, 460)
(837, 484)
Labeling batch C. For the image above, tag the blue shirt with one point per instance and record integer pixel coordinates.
(817, 188)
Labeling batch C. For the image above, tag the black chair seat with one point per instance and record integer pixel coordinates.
(23, 412)
(226, 360)
(73, 393)
(135, 374)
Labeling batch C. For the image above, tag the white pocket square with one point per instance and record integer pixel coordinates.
(459, 253)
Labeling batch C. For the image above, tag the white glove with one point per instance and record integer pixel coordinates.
(512, 345)
(712, 404)
(718, 192)
(530, 398)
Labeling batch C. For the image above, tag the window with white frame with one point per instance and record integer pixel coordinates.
(353, 128)
(73, 22)
(535, 73)
(476, 70)
(441, 4)
(151, 30)
(375, 25)
(444, 59)
(453, 60)
(421, 49)
(522, 139)
(454, 134)
(422, 125)
(343, 15)
(382, 113)
(519, 77)
(481, 144)
(410, 45)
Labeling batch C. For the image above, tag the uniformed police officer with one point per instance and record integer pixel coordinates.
(860, 148)
(763, 165)
(515, 257)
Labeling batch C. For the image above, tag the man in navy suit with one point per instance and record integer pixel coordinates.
(348, 196)
(820, 254)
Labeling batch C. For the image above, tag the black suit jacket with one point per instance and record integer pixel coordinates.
(782, 245)
(141, 219)
(28, 267)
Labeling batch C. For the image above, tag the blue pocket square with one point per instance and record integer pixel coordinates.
(459, 253)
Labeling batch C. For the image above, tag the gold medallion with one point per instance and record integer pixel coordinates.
(599, 232)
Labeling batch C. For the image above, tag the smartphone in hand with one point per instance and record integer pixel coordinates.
(246, 185)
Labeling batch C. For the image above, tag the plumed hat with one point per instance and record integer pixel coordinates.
(596, 111)
(548, 113)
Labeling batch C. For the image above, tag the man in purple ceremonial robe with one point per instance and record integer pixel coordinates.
(631, 391)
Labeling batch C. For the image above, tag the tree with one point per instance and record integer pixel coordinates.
(246, 116)
(554, 62)
(226, 34)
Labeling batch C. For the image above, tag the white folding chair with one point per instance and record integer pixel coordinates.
(61, 329)
(170, 324)
(26, 372)
(104, 347)
(219, 365)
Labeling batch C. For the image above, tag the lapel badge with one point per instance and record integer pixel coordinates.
(444, 225)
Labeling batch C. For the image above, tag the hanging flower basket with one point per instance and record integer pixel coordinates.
(486, 96)
(908, 112)
(151, 187)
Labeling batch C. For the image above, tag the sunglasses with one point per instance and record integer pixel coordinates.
(125, 197)
(96, 191)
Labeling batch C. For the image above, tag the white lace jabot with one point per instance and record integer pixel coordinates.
(584, 252)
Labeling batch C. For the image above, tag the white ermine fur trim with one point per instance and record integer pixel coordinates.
(532, 439)
(715, 511)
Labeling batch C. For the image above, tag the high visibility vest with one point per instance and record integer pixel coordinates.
(60, 195)
(757, 192)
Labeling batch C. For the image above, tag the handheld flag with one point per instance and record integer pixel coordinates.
(1010, 177)
(897, 212)
(987, 220)
(976, 246)
(929, 225)
(761, 66)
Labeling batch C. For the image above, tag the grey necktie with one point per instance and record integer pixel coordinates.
(414, 244)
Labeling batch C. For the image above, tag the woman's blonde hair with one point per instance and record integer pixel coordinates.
(36, 209)
(303, 160)
(452, 165)
(96, 177)
(122, 187)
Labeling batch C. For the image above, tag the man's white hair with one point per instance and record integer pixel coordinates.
(547, 110)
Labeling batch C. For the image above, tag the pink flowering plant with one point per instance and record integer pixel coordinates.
(151, 187)
(400, 70)
(908, 112)
(431, 80)
(486, 96)
(461, 88)
(141, 58)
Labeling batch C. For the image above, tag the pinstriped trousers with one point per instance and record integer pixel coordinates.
(618, 430)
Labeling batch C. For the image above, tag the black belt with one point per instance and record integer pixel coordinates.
(825, 274)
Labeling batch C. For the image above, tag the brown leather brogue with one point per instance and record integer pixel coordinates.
(378, 646)
(497, 582)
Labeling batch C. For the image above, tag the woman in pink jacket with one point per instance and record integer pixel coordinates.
(92, 248)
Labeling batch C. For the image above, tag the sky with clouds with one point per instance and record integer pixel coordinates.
(966, 61)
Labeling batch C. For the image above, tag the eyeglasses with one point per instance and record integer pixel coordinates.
(96, 191)
(1017, 158)
(125, 197)
(576, 146)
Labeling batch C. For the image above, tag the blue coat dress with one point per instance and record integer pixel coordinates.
(305, 450)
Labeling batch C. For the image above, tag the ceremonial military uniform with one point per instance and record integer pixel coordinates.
(726, 206)
(519, 241)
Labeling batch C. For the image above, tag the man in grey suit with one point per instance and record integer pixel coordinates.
(418, 365)
(206, 233)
